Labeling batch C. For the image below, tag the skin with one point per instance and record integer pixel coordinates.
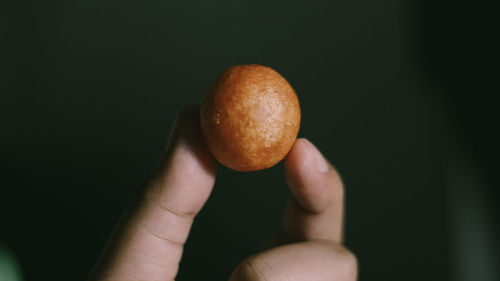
(148, 242)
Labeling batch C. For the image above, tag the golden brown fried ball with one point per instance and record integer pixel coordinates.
(250, 117)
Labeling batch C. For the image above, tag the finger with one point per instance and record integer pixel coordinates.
(316, 208)
(311, 260)
(148, 244)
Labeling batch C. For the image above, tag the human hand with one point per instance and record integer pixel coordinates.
(148, 243)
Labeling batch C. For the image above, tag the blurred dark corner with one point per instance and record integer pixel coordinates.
(400, 95)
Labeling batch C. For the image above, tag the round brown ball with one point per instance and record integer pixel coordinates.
(250, 117)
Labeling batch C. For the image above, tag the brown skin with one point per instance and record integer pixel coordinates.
(148, 242)
(250, 117)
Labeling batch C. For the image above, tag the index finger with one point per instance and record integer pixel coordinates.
(148, 243)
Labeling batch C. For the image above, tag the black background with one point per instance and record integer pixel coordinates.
(90, 88)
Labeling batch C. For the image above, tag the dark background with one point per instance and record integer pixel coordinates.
(397, 94)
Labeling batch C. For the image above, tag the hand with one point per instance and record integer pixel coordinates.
(148, 243)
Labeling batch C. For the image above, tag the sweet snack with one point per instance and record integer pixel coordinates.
(250, 117)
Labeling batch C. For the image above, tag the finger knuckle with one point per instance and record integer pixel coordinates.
(344, 262)
(351, 264)
(253, 269)
(348, 264)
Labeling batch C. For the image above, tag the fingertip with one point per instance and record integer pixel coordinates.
(186, 140)
(186, 174)
(296, 152)
(312, 180)
(304, 152)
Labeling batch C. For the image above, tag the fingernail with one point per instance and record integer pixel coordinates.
(317, 159)
(186, 115)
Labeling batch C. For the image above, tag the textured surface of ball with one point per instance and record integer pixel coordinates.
(250, 117)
